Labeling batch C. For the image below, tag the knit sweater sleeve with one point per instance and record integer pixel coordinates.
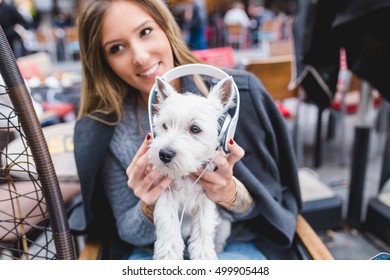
(133, 227)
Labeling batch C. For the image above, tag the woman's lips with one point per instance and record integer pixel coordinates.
(150, 71)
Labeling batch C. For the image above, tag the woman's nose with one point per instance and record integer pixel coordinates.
(140, 54)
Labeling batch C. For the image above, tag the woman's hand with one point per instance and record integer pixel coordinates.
(219, 184)
(146, 182)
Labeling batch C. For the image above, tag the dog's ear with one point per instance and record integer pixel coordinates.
(164, 89)
(223, 90)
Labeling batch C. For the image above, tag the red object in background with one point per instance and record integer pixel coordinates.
(29, 70)
(352, 100)
(220, 57)
(283, 110)
(62, 109)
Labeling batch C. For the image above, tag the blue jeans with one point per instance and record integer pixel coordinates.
(232, 251)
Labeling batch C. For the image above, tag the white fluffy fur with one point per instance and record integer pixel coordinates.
(176, 125)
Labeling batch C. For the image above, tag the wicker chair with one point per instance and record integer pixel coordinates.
(42, 230)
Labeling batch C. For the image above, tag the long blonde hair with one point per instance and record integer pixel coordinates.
(102, 90)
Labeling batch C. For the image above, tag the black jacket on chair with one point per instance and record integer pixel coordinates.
(322, 27)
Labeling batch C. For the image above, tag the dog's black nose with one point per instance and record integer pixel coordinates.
(166, 155)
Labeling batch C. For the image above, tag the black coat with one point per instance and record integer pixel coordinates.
(322, 27)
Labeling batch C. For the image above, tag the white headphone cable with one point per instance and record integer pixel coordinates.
(193, 184)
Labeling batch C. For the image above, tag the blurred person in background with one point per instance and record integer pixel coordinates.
(12, 22)
(191, 16)
(237, 15)
(27, 9)
(255, 15)
(62, 19)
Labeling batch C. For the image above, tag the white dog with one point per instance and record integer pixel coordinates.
(186, 138)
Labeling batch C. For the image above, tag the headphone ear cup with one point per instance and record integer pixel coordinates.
(223, 132)
(152, 98)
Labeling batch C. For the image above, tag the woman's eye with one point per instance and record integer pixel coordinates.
(115, 49)
(146, 31)
(195, 129)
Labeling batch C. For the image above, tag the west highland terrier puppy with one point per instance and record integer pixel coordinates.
(186, 129)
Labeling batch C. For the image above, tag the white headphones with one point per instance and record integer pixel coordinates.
(228, 128)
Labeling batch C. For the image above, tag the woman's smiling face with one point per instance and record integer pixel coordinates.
(135, 46)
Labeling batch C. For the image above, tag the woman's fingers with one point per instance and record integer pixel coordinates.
(139, 165)
(152, 187)
(142, 150)
(219, 183)
(236, 152)
(156, 190)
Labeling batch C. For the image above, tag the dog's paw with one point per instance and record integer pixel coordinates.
(168, 256)
(202, 253)
(208, 254)
(169, 249)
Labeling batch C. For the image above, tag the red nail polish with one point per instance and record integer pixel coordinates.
(231, 142)
(148, 136)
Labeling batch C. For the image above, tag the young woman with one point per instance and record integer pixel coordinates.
(124, 45)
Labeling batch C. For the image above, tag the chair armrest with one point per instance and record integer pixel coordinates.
(311, 241)
(91, 250)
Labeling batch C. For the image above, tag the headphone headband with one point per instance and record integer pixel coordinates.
(200, 69)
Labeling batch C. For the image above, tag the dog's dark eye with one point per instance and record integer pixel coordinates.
(165, 126)
(195, 129)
